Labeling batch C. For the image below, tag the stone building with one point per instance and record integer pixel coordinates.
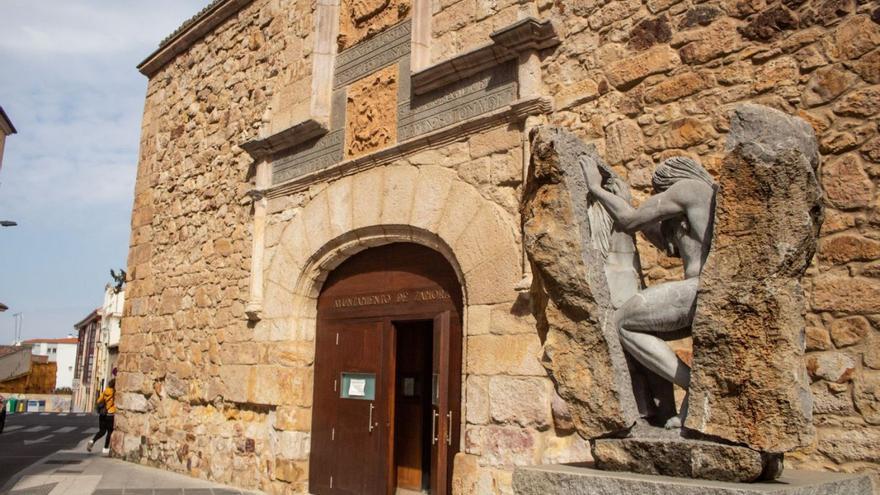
(328, 291)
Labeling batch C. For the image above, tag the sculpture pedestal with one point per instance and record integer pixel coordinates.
(658, 451)
(574, 480)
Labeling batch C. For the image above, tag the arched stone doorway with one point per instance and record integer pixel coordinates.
(387, 390)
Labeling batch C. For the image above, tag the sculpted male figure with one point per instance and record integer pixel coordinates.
(678, 218)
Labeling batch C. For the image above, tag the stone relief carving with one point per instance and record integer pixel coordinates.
(371, 113)
(745, 239)
(364, 10)
(363, 19)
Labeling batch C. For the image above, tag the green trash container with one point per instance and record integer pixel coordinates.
(11, 404)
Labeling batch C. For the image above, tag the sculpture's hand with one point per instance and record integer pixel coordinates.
(591, 173)
(620, 189)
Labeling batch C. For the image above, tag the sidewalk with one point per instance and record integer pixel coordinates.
(77, 472)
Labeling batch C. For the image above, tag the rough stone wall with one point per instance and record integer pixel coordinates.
(190, 256)
(461, 25)
(646, 80)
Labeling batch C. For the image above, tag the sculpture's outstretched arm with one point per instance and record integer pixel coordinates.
(655, 209)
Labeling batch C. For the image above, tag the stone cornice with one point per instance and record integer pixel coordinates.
(190, 32)
(507, 43)
(517, 110)
(286, 139)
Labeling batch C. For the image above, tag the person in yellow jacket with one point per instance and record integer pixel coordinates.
(106, 409)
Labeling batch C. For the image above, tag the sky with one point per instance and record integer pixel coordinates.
(69, 84)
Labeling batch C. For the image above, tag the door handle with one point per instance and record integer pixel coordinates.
(449, 427)
(434, 418)
(370, 425)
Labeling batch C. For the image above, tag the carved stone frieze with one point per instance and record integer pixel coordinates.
(476, 95)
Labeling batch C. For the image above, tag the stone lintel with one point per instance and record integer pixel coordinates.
(286, 139)
(190, 32)
(575, 480)
(516, 111)
(507, 43)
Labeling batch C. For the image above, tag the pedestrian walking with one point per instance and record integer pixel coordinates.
(2, 413)
(106, 409)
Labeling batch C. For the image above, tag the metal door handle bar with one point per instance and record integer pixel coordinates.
(434, 427)
(370, 426)
(449, 428)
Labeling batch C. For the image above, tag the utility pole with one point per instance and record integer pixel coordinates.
(17, 321)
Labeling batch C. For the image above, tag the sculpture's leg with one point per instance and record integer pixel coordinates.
(663, 308)
(657, 356)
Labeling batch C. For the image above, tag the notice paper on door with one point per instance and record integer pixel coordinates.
(357, 387)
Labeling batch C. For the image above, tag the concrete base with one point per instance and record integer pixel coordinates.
(574, 480)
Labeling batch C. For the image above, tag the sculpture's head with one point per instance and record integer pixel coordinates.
(665, 175)
(677, 168)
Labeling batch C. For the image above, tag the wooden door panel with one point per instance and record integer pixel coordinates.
(322, 450)
(355, 458)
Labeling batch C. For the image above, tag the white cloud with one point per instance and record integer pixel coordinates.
(68, 82)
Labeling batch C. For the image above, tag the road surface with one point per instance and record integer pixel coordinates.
(28, 437)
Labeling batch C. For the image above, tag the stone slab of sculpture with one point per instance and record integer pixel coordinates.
(571, 290)
(746, 240)
(577, 480)
(748, 384)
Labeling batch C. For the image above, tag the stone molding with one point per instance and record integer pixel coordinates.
(332, 254)
(507, 44)
(190, 32)
(286, 139)
(516, 111)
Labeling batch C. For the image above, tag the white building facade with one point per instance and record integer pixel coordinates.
(111, 316)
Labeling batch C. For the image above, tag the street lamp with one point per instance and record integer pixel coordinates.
(7, 223)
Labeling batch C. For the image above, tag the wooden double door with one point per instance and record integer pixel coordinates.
(387, 399)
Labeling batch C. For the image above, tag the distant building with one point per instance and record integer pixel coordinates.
(6, 128)
(60, 351)
(15, 361)
(111, 315)
(84, 383)
(97, 350)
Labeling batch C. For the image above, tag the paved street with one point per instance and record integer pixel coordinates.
(44, 454)
(29, 437)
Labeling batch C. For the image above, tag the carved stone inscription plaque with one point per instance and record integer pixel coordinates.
(476, 95)
(370, 117)
(310, 157)
(370, 56)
